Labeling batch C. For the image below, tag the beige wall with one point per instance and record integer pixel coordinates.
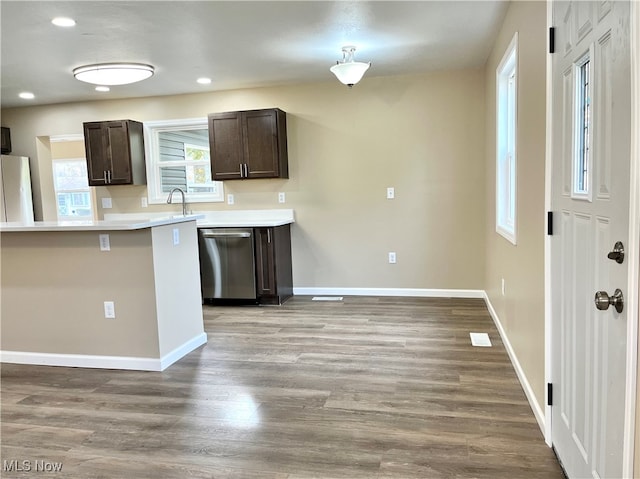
(56, 283)
(521, 309)
(44, 205)
(62, 150)
(422, 134)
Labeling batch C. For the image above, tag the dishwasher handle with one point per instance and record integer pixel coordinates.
(221, 234)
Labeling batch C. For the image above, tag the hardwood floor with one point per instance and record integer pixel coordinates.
(364, 388)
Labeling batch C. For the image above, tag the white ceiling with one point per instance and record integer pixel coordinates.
(237, 44)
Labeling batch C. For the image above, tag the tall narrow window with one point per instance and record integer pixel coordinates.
(506, 141)
(582, 156)
(73, 197)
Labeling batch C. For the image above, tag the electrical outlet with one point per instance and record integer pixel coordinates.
(502, 286)
(281, 197)
(106, 203)
(391, 193)
(143, 202)
(105, 244)
(230, 199)
(392, 257)
(176, 236)
(109, 310)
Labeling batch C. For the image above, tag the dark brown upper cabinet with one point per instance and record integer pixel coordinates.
(115, 153)
(248, 144)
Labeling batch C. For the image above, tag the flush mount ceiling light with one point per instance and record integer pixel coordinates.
(349, 71)
(63, 22)
(113, 73)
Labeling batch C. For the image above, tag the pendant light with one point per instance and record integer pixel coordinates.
(349, 71)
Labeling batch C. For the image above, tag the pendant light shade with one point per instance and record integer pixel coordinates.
(113, 73)
(349, 71)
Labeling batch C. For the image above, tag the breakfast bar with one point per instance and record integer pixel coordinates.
(119, 294)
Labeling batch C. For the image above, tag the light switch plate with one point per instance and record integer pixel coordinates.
(391, 193)
(106, 203)
(176, 236)
(109, 310)
(105, 244)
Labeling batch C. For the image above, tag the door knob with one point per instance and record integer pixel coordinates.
(603, 300)
(618, 253)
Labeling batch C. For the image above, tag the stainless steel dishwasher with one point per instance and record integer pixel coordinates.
(227, 264)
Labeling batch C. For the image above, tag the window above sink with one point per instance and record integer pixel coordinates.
(177, 156)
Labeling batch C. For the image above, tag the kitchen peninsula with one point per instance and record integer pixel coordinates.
(107, 294)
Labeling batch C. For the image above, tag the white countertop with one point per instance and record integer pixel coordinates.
(137, 221)
(226, 219)
(106, 225)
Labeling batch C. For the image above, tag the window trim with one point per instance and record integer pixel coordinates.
(154, 191)
(507, 194)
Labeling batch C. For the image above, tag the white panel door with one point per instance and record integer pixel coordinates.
(590, 203)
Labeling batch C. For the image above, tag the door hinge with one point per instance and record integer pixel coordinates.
(549, 394)
(552, 39)
(550, 223)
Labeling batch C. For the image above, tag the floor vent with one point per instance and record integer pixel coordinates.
(327, 298)
(480, 339)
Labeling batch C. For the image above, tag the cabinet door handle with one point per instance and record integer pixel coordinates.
(104, 174)
(241, 173)
(268, 236)
(246, 171)
(109, 175)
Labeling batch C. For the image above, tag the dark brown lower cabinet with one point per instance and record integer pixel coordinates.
(273, 264)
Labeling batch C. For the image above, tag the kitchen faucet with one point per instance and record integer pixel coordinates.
(184, 204)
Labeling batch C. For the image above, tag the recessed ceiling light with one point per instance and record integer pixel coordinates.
(27, 95)
(113, 73)
(204, 81)
(103, 88)
(63, 22)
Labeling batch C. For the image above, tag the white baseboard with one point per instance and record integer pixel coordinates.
(80, 360)
(103, 362)
(415, 292)
(181, 351)
(528, 390)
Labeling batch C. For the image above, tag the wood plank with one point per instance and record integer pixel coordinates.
(363, 388)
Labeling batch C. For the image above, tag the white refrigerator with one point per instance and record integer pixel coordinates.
(16, 202)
